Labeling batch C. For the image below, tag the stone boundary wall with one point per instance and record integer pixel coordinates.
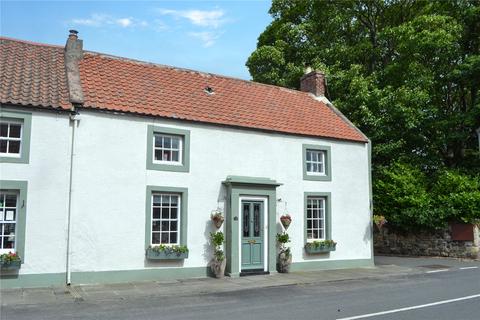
(437, 243)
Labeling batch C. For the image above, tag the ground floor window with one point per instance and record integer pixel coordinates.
(316, 218)
(165, 218)
(8, 220)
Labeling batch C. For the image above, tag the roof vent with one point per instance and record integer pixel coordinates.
(208, 90)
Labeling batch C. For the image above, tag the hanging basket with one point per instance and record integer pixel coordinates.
(218, 221)
(286, 220)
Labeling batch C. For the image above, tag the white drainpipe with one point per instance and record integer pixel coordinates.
(74, 120)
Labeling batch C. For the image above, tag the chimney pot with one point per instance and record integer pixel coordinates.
(313, 82)
(73, 34)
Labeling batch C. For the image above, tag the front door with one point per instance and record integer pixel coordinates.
(252, 235)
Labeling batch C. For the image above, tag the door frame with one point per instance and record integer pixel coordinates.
(264, 200)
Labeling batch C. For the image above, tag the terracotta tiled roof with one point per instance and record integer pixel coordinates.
(32, 74)
(118, 84)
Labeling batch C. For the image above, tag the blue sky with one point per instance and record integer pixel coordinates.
(210, 36)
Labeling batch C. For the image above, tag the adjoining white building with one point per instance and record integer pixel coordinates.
(103, 156)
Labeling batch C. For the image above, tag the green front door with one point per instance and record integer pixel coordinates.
(252, 235)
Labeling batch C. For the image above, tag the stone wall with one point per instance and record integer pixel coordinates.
(437, 243)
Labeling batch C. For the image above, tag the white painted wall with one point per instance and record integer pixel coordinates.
(47, 195)
(110, 179)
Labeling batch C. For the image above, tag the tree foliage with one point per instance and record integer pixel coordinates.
(407, 73)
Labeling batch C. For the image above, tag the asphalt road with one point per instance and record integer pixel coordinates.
(440, 294)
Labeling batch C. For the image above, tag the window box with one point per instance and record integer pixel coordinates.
(167, 253)
(10, 261)
(320, 246)
(11, 265)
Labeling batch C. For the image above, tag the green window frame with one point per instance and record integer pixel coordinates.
(327, 152)
(26, 120)
(183, 192)
(184, 165)
(327, 211)
(21, 188)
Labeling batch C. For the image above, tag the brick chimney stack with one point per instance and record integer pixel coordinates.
(73, 54)
(313, 82)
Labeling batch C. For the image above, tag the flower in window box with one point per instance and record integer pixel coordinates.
(286, 220)
(217, 218)
(10, 261)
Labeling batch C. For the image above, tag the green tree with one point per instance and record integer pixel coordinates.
(406, 72)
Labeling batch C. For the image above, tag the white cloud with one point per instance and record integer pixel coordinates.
(100, 20)
(208, 38)
(212, 19)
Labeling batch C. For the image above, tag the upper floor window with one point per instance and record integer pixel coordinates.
(15, 130)
(316, 162)
(10, 138)
(168, 149)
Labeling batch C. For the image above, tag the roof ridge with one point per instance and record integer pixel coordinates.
(32, 42)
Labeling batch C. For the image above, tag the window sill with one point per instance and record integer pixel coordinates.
(164, 255)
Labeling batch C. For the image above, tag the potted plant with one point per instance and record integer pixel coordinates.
(284, 257)
(219, 261)
(217, 218)
(379, 221)
(166, 252)
(320, 246)
(10, 261)
(286, 220)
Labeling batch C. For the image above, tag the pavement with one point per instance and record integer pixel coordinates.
(386, 267)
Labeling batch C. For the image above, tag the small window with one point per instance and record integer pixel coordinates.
(165, 218)
(316, 163)
(8, 221)
(168, 149)
(315, 218)
(15, 130)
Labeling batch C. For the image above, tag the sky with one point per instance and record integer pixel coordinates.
(210, 36)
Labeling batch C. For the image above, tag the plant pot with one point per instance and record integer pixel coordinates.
(283, 262)
(286, 223)
(218, 221)
(218, 267)
(164, 255)
(12, 265)
(320, 249)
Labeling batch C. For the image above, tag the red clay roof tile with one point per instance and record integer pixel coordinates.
(34, 74)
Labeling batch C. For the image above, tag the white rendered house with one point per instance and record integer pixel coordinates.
(102, 157)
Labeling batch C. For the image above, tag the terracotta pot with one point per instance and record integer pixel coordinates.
(218, 221)
(218, 267)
